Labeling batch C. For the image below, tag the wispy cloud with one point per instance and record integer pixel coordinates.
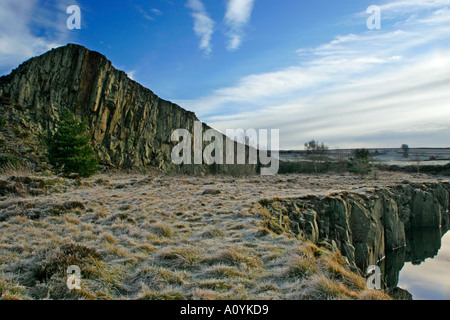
(407, 102)
(131, 74)
(21, 29)
(203, 24)
(237, 16)
(148, 14)
(409, 6)
(378, 88)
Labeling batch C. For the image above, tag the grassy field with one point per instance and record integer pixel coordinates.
(168, 237)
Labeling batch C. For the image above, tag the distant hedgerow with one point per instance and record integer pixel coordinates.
(69, 147)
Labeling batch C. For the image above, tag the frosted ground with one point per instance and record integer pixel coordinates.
(169, 237)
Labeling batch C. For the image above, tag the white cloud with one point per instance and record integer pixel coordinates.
(402, 8)
(21, 23)
(203, 24)
(156, 11)
(408, 6)
(148, 14)
(237, 16)
(369, 89)
(377, 109)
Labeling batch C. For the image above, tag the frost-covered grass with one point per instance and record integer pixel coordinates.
(162, 237)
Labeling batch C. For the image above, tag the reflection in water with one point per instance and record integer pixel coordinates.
(424, 272)
(423, 244)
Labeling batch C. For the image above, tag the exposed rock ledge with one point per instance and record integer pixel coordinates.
(363, 226)
(130, 126)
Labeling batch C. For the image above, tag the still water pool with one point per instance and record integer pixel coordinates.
(427, 277)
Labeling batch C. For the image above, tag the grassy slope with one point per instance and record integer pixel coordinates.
(159, 237)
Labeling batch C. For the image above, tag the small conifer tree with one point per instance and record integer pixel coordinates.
(69, 147)
(359, 163)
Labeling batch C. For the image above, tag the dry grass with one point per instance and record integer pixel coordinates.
(158, 237)
(166, 294)
(212, 232)
(179, 257)
(11, 290)
(298, 267)
(340, 272)
(20, 170)
(236, 256)
(163, 229)
(156, 278)
(222, 271)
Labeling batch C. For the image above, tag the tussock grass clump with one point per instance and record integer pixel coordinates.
(122, 216)
(276, 223)
(374, 295)
(116, 250)
(166, 294)
(320, 287)
(267, 286)
(262, 232)
(193, 218)
(215, 284)
(146, 247)
(74, 204)
(44, 274)
(300, 267)
(310, 250)
(163, 229)
(222, 271)
(108, 237)
(72, 220)
(212, 232)
(236, 257)
(37, 210)
(154, 277)
(11, 290)
(50, 262)
(333, 289)
(26, 183)
(340, 272)
(181, 257)
(207, 294)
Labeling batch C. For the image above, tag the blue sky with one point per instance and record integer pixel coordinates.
(312, 69)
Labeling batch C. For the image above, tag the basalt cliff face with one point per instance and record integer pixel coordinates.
(364, 227)
(130, 125)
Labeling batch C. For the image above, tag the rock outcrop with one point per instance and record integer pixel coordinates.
(130, 125)
(364, 227)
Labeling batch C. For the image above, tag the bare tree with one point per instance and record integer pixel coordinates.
(405, 149)
(316, 152)
(341, 160)
(417, 161)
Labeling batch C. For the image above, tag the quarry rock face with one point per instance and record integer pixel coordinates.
(364, 227)
(129, 124)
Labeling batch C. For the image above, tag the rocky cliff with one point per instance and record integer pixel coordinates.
(363, 226)
(130, 125)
